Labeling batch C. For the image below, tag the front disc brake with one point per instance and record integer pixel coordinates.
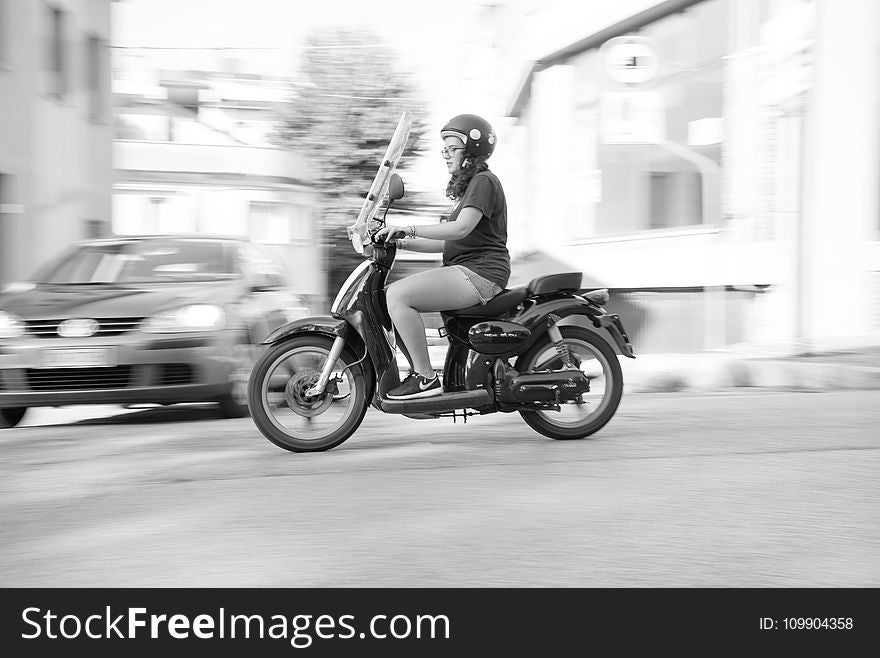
(299, 402)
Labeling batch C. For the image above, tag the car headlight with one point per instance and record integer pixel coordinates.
(195, 317)
(11, 326)
(19, 286)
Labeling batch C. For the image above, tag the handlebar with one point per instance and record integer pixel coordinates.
(388, 238)
(382, 249)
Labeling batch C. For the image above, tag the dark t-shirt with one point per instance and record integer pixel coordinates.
(483, 250)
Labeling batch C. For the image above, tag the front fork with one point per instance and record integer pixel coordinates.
(332, 358)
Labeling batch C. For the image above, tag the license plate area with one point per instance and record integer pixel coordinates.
(79, 357)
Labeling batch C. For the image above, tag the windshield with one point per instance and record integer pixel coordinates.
(358, 232)
(144, 261)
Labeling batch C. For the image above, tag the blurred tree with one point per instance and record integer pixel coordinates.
(341, 116)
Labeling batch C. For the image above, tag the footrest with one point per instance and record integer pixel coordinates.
(440, 403)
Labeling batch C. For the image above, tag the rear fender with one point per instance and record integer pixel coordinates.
(535, 318)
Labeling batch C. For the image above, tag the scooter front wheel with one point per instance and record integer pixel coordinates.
(284, 412)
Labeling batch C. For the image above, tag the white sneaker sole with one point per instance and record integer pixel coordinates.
(415, 396)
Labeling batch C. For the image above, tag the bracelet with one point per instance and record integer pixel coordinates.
(401, 243)
(411, 233)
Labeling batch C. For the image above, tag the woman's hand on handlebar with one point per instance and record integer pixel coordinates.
(389, 232)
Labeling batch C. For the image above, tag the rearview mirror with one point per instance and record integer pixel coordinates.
(395, 187)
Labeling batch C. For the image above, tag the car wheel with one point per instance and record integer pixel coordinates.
(234, 403)
(11, 416)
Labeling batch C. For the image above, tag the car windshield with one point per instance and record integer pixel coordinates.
(144, 261)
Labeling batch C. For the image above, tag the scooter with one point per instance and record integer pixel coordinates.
(533, 348)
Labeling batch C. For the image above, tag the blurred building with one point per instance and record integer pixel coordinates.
(55, 128)
(192, 154)
(715, 161)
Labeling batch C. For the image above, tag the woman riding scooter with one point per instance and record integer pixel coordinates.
(476, 263)
(532, 349)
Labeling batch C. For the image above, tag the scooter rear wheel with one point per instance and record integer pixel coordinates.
(599, 363)
(283, 412)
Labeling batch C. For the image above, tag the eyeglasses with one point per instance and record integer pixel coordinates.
(447, 151)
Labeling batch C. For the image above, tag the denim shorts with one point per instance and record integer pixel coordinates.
(486, 290)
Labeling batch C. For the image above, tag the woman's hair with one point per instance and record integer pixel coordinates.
(459, 181)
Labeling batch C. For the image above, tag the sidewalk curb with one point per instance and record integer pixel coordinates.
(706, 373)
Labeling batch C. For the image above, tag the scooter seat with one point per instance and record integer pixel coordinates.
(503, 301)
(507, 299)
(568, 282)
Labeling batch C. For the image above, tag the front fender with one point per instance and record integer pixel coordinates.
(330, 327)
(316, 324)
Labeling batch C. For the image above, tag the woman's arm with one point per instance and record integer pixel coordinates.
(468, 218)
(423, 245)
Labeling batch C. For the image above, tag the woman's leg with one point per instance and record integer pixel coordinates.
(441, 289)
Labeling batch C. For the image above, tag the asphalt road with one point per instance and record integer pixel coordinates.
(743, 489)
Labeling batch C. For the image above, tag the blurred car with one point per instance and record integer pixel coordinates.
(141, 319)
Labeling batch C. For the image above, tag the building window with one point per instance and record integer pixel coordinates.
(6, 236)
(95, 76)
(654, 144)
(267, 223)
(157, 215)
(299, 224)
(4, 31)
(57, 84)
(278, 223)
(95, 228)
(675, 199)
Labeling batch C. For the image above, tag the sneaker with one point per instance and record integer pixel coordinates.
(415, 386)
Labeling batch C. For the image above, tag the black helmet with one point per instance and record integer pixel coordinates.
(476, 133)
